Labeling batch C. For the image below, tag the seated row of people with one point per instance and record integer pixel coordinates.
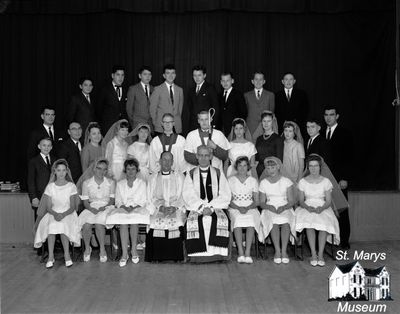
(202, 202)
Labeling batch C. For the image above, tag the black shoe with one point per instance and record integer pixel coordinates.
(39, 252)
(345, 246)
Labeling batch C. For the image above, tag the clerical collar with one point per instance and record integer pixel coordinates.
(165, 173)
(205, 170)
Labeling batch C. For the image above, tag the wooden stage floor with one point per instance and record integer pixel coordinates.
(263, 287)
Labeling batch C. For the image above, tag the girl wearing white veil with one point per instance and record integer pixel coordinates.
(241, 145)
(116, 148)
(267, 141)
(92, 148)
(315, 212)
(140, 149)
(293, 152)
(57, 213)
(98, 199)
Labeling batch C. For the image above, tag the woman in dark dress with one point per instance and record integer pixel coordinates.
(269, 143)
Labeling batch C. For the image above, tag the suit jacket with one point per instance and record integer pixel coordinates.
(110, 109)
(234, 107)
(255, 107)
(70, 152)
(81, 111)
(206, 98)
(341, 148)
(138, 105)
(36, 136)
(38, 176)
(295, 110)
(319, 146)
(160, 103)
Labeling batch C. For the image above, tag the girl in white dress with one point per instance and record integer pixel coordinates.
(98, 200)
(277, 217)
(116, 148)
(241, 145)
(130, 201)
(140, 149)
(56, 213)
(315, 211)
(243, 210)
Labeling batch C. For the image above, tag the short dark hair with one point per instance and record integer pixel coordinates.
(82, 79)
(117, 67)
(93, 125)
(144, 68)
(314, 120)
(225, 73)
(331, 107)
(286, 73)
(267, 114)
(258, 72)
(314, 157)
(237, 121)
(131, 162)
(241, 159)
(199, 67)
(202, 111)
(45, 138)
(169, 66)
(48, 107)
(123, 124)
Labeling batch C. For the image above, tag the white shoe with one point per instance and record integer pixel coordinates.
(241, 259)
(103, 259)
(86, 258)
(313, 262)
(285, 260)
(135, 259)
(50, 263)
(68, 263)
(139, 246)
(277, 260)
(122, 262)
(248, 260)
(321, 262)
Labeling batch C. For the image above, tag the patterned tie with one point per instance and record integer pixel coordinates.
(197, 89)
(309, 143)
(258, 94)
(118, 90)
(226, 96)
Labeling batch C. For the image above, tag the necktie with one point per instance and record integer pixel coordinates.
(118, 90)
(288, 95)
(48, 161)
(328, 135)
(146, 91)
(51, 134)
(171, 95)
(77, 145)
(88, 99)
(258, 94)
(309, 143)
(226, 96)
(197, 89)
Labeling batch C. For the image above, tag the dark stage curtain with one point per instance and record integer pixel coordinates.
(346, 57)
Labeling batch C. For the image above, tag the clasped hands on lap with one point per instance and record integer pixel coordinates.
(273, 209)
(167, 210)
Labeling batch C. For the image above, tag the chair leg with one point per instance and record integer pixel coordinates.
(43, 251)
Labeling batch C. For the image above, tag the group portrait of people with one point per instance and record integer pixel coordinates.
(199, 170)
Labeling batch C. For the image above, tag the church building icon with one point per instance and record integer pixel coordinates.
(353, 282)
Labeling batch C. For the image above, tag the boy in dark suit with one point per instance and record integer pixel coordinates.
(202, 96)
(47, 130)
(291, 104)
(81, 107)
(340, 142)
(232, 104)
(316, 144)
(39, 170)
(70, 150)
(112, 99)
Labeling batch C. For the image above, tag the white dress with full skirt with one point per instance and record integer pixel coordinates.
(60, 202)
(315, 196)
(242, 195)
(129, 196)
(237, 150)
(98, 196)
(116, 155)
(276, 196)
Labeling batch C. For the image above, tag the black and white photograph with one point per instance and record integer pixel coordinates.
(200, 156)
